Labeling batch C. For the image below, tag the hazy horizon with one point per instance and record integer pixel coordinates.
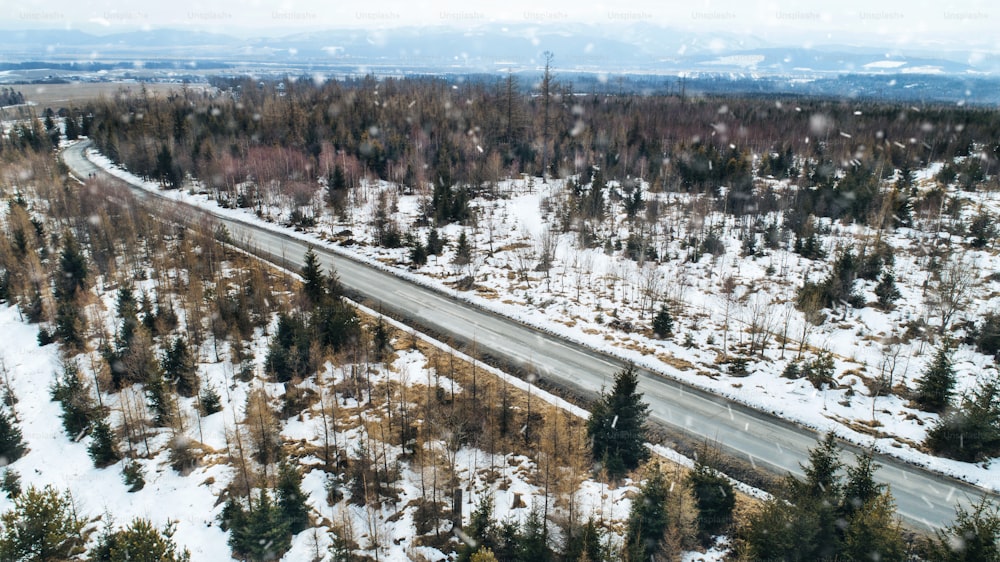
(892, 25)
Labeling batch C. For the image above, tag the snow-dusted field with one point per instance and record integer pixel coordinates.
(586, 289)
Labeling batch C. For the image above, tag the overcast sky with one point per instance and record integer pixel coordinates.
(972, 23)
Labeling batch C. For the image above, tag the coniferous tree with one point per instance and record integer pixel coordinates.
(532, 539)
(41, 526)
(616, 426)
(435, 244)
(11, 439)
(971, 432)
(209, 401)
(313, 280)
(824, 518)
(715, 497)
(663, 323)
(463, 251)
(73, 395)
(973, 537)
(161, 400)
(139, 542)
(648, 518)
(934, 388)
(103, 449)
(72, 266)
(291, 498)
(886, 291)
(257, 534)
(179, 367)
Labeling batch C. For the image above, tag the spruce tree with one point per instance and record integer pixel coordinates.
(970, 433)
(663, 323)
(179, 367)
(209, 401)
(973, 537)
(103, 449)
(934, 389)
(73, 395)
(11, 440)
(532, 540)
(886, 291)
(72, 266)
(616, 426)
(139, 542)
(257, 534)
(648, 519)
(291, 498)
(42, 526)
(715, 497)
(463, 251)
(313, 280)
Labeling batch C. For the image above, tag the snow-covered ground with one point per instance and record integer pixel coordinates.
(191, 502)
(586, 289)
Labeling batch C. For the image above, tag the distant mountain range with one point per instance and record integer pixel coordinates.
(613, 49)
(594, 58)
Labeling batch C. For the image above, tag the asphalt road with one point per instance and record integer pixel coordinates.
(924, 499)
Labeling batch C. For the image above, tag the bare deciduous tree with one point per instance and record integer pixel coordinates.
(950, 292)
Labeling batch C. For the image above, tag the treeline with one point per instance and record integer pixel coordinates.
(10, 96)
(470, 134)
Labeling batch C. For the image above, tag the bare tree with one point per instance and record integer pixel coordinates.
(951, 291)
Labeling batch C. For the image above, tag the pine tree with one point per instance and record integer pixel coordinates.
(257, 534)
(139, 542)
(103, 449)
(418, 254)
(336, 188)
(179, 367)
(716, 499)
(617, 425)
(161, 401)
(873, 532)
(42, 526)
(11, 440)
(663, 323)
(313, 280)
(971, 433)
(73, 395)
(209, 402)
(648, 519)
(886, 291)
(463, 251)
(934, 389)
(435, 244)
(72, 129)
(291, 498)
(531, 543)
(72, 267)
(973, 537)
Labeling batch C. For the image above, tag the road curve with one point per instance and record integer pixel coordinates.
(925, 500)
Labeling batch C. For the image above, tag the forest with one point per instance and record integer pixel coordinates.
(320, 420)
